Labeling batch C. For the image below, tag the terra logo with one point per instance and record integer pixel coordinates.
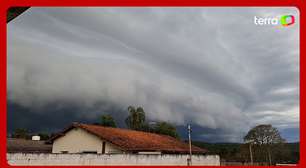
(285, 20)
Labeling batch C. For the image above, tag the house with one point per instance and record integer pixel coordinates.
(15, 145)
(85, 138)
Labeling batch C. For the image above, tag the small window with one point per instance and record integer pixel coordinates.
(64, 152)
(88, 152)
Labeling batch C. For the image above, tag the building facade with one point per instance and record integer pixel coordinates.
(78, 140)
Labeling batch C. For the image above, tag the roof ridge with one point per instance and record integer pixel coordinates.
(129, 130)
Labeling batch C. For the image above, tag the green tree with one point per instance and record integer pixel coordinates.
(166, 129)
(264, 137)
(21, 133)
(43, 136)
(136, 119)
(108, 121)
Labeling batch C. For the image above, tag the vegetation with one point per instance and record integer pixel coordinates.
(263, 135)
(239, 152)
(166, 129)
(265, 139)
(21, 133)
(108, 121)
(265, 143)
(44, 136)
(137, 121)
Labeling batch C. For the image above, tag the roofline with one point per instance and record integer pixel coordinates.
(79, 125)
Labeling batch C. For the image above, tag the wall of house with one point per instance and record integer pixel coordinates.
(78, 140)
(109, 159)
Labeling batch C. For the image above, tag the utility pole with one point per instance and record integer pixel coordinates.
(189, 161)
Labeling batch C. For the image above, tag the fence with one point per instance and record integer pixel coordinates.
(110, 159)
(227, 163)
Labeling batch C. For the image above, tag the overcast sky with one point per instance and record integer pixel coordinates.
(211, 67)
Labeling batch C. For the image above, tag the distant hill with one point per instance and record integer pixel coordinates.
(219, 148)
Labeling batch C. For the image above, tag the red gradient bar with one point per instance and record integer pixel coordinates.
(4, 5)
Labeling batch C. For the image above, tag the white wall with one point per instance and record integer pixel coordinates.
(78, 140)
(109, 159)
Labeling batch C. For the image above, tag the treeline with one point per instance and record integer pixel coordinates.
(239, 152)
(22, 133)
(136, 120)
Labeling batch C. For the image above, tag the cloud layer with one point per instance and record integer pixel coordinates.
(208, 66)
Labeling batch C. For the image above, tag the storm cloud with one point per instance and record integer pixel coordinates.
(212, 67)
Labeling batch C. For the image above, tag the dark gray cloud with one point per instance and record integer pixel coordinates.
(208, 66)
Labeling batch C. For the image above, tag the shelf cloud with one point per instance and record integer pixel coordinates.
(212, 67)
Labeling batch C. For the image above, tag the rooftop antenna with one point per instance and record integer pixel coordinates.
(189, 161)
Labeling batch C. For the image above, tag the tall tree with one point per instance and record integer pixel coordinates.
(136, 119)
(264, 137)
(108, 121)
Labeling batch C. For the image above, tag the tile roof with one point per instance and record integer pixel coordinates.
(27, 146)
(135, 141)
